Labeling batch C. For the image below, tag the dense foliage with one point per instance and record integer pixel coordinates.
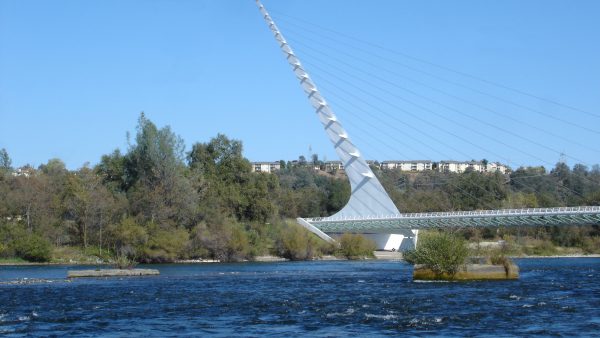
(356, 246)
(529, 187)
(157, 203)
(442, 252)
(295, 243)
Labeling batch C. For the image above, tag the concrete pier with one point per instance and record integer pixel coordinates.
(112, 273)
(389, 255)
(470, 272)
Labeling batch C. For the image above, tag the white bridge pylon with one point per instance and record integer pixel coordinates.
(367, 198)
(370, 210)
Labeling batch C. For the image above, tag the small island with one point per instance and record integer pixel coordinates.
(445, 256)
(112, 273)
(124, 267)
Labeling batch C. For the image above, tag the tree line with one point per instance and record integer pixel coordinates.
(155, 202)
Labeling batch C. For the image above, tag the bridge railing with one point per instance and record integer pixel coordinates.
(474, 213)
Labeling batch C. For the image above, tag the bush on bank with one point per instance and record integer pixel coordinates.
(355, 246)
(296, 243)
(16, 241)
(33, 248)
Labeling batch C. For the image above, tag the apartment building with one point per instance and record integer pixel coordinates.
(265, 167)
(333, 166)
(449, 166)
(414, 165)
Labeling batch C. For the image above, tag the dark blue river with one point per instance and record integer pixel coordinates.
(554, 297)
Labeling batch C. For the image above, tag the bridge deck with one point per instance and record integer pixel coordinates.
(505, 217)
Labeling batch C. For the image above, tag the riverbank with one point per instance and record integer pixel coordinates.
(378, 255)
(559, 256)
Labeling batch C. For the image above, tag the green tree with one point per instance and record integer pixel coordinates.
(229, 186)
(17, 241)
(5, 161)
(90, 207)
(55, 167)
(165, 245)
(33, 248)
(226, 242)
(26, 198)
(159, 189)
(221, 157)
(157, 154)
(128, 238)
(473, 190)
(315, 160)
(260, 193)
(112, 170)
(442, 252)
(338, 194)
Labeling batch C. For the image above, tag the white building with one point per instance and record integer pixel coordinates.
(415, 165)
(333, 165)
(460, 166)
(450, 167)
(476, 166)
(493, 167)
(409, 166)
(265, 167)
(24, 171)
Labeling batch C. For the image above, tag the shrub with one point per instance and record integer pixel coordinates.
(227, 242)
(355, 246)
(17, 241)
(296, 243)
(500, 259)
(33, 248)
(591, 245)
(443, 253)
(238, 247)
(123, 262)
(165, 245)
(128, 238)
(328, 248)
(540, 248)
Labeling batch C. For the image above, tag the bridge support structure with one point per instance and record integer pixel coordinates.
(367, 194)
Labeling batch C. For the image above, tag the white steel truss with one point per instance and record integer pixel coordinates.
(583, 215)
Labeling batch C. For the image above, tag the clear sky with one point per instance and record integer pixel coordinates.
(74, 76)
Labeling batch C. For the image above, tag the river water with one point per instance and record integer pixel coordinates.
(323, 298)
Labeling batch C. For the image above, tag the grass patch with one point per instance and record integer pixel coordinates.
(356, 246)
(72, 254)
(12, 260)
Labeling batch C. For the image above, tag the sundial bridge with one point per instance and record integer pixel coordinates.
(370, 210)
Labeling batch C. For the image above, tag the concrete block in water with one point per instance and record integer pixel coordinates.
(111, 273)
(470, 272)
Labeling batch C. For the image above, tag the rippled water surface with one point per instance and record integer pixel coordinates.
(335, 298)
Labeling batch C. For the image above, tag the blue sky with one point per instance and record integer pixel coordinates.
(74, 76)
